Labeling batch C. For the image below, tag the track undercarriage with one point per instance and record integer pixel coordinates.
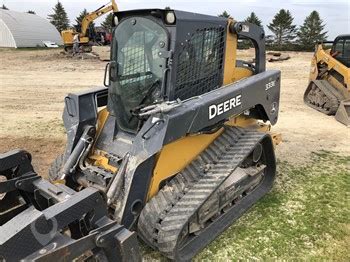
(323, 97)
(212, 192)
(320, 95)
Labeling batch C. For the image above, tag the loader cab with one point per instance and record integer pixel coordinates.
(341, 49)
(152, 61)
(164, 55)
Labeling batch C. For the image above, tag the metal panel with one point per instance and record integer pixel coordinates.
(6, 38)
(29, 30)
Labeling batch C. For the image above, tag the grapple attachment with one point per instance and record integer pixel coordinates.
(41, 221)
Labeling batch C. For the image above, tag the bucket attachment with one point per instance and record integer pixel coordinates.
(343, 112)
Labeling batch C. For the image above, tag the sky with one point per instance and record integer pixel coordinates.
(335, 13)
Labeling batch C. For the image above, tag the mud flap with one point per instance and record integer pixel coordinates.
(343, 112)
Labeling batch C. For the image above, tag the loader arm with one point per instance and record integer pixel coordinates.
(88, 19)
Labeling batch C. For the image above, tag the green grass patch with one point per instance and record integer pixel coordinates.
(306, 216)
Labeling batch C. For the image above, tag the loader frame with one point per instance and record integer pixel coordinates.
(257, 99)
(330, 75)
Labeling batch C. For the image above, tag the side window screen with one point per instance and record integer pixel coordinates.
(200, 63)
(342, 51)
(339, 46)
(346, 53)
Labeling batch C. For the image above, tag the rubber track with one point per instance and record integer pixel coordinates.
(329, 91)
(165, 215)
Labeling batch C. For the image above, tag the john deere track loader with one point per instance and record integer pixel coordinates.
(329, 87)
(174, 149)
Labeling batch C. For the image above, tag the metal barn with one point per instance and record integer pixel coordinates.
(26, 30)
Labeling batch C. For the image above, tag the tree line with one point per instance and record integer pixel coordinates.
(288, 36)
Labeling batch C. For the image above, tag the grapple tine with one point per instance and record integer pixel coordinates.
(19, 159)
(15, 165)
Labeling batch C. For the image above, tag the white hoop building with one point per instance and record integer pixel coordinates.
(26, 30)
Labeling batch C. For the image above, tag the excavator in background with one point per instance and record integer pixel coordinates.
(329, 87)
(68, 35)
(171, 151)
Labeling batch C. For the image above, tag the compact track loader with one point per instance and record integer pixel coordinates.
(329, 87)
(172, 151)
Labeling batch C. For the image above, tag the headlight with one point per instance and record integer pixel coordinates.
(170, 18)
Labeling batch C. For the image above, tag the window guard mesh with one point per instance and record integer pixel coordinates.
(200, 63)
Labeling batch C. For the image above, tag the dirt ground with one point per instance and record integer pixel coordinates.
(33, 84)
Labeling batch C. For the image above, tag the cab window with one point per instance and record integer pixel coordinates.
(341, 51)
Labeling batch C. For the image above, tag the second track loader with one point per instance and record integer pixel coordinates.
(329, 87)
(174, 149)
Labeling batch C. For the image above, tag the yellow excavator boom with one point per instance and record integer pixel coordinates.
(67, 35)
(96, 14)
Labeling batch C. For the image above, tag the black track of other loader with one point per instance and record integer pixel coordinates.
(323, 97)
(166, 215)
